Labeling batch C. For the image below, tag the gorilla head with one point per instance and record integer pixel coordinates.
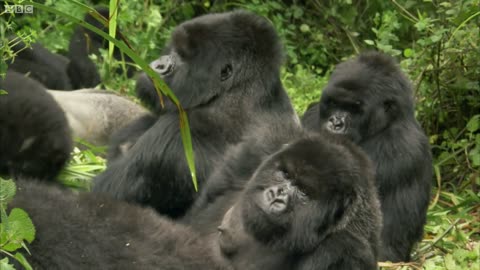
(369, 100)
(313, 199)
(364, 97)
(224, 70)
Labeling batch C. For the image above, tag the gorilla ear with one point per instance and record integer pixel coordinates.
(226, 72)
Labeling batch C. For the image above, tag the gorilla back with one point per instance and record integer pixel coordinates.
(309, 206)
(35, 138)
(224, 68)
(369, 100)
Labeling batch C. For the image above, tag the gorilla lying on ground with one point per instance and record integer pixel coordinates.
(224, 69)
(94, 115)
(369, 100)
(35, 139)
(311, 205)
(48, 68)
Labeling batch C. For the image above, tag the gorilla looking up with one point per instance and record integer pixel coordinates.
(309, 206)
(369, 100)
(224, 69)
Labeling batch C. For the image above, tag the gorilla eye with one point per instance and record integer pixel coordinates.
(226, 72)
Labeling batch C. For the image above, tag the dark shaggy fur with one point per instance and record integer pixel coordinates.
(224, 69)
(48, 68)
(124, 139)
(35, 138)
(370, 100)
(310, 205)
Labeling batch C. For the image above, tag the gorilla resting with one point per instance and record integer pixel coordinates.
(35, 139)
(224, 69)
(48, 68)
(94, 115)
(311, 205)
(369, 100)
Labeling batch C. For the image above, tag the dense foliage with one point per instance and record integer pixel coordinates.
(437, 44)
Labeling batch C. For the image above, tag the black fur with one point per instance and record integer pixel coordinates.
(88, 231)
(330, 220)
(225, 72)
(147, 93)
(327, 216)
(35, 139)
(123, 140)
(48, 68)
(374, 98)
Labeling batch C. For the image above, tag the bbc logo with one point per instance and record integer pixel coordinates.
(19, 9)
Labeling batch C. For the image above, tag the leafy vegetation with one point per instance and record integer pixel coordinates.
(436, 42)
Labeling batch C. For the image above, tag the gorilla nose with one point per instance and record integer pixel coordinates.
(337, 122)
(164, 65)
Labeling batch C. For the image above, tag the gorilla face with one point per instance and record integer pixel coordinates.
(201, 65)
(296, 199)
(361, 99)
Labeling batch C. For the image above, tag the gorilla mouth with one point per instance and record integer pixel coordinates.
(278, 206)
(336, 128)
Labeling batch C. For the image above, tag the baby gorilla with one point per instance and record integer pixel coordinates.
(310, 205)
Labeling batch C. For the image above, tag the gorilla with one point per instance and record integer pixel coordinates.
(146, 92)
(370, 101)
(224, 69)
(310, 205)
(123, 140)
(81, 69)
(35, 139)
(94, 115)
(48, 68)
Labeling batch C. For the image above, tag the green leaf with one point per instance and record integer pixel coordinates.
(408, 53)
(20, 228)
(21, 259)
(7, 191)
(4, 264)
(474, 123)
(369, 42)
(304, 28)
(3, 92)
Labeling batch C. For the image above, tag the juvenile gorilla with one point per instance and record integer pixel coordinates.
(35, 139)
(369, 100)
(224, 69)
(314, 196)
(311, 205)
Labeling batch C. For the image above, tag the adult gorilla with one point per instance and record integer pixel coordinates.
(311, 205)
(224, 68)
(369, 100)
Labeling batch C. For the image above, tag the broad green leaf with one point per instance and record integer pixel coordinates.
(4, 264)
(7, 191)
(20, 228)
(474, 123)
